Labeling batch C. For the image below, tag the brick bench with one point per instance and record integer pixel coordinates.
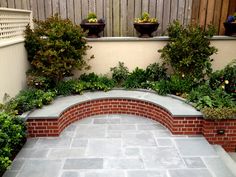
(179, 117)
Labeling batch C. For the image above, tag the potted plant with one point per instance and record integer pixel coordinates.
(93, 25)
(145, 25)
(230, 25)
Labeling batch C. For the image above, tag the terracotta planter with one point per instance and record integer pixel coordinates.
(146, 29)
(230, 29)
(93, 29)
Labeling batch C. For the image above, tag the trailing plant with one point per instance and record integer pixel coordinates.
(55, 47)
(12, 138)
(188, 50)
(136, 79)
(120, 73)
(29, 99)
(219, 113)
(225, 78)
(156, 72)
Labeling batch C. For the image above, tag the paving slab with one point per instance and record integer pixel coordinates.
(218, 167)
(40, 168)
(195, 147)
(83, 163)
(147, 173)
(70, 174)
(190, 173)
(118, 146)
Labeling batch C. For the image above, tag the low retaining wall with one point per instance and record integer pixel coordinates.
(216, 132)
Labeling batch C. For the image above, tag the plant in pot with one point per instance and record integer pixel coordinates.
(145, 25)
(230, 25)
(93, 25)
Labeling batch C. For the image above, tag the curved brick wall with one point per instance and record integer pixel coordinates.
(177, 125)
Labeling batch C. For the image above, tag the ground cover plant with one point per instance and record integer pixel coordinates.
(12, 138)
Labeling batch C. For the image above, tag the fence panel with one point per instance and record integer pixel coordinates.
(12, 22)
(119, 14)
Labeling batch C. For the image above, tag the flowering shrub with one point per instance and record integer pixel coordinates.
(231, 18)
(145, 18)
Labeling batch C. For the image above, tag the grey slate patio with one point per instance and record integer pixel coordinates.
(118, 146)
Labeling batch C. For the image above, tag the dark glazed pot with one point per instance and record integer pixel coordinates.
(230, 29)
(93, 29)
(146, 29)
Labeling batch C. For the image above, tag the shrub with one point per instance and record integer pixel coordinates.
(66, 87)
(219, 113)
(29, 99)
(34, 80)
(55, 47)
(120, 73)
(188, 51)
(136, 79)
(156, 72)
(225, 78)
(12, 138)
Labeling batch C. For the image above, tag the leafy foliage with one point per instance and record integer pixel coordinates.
(29, 99)
(136, 79)
(12, 137)
(55, 47)
(203, 96)
(188, 51)
(175, 85)
(225, 78)
(156, 72)
(120, 73)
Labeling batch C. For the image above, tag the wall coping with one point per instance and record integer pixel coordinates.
(175, 106)
(157, 38)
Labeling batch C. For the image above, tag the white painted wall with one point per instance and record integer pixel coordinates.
(142, 53)
(13, 65)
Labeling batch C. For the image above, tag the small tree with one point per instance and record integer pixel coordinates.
(188, 51)
(55, 47)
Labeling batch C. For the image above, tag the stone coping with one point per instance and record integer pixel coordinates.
(157, 38)
(176, 107)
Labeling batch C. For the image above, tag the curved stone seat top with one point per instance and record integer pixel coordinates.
(176, 107)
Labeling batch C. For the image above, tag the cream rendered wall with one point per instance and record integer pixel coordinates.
(13, 65)
(141, 53)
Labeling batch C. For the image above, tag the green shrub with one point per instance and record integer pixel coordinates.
(188, 51)
(219, 113)
(225, 78)
(156, 72)
(55, 47)
(120, 73)
(136, 79)
(66, 87)
(29, 99)
(12, 138)
(162, 87)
